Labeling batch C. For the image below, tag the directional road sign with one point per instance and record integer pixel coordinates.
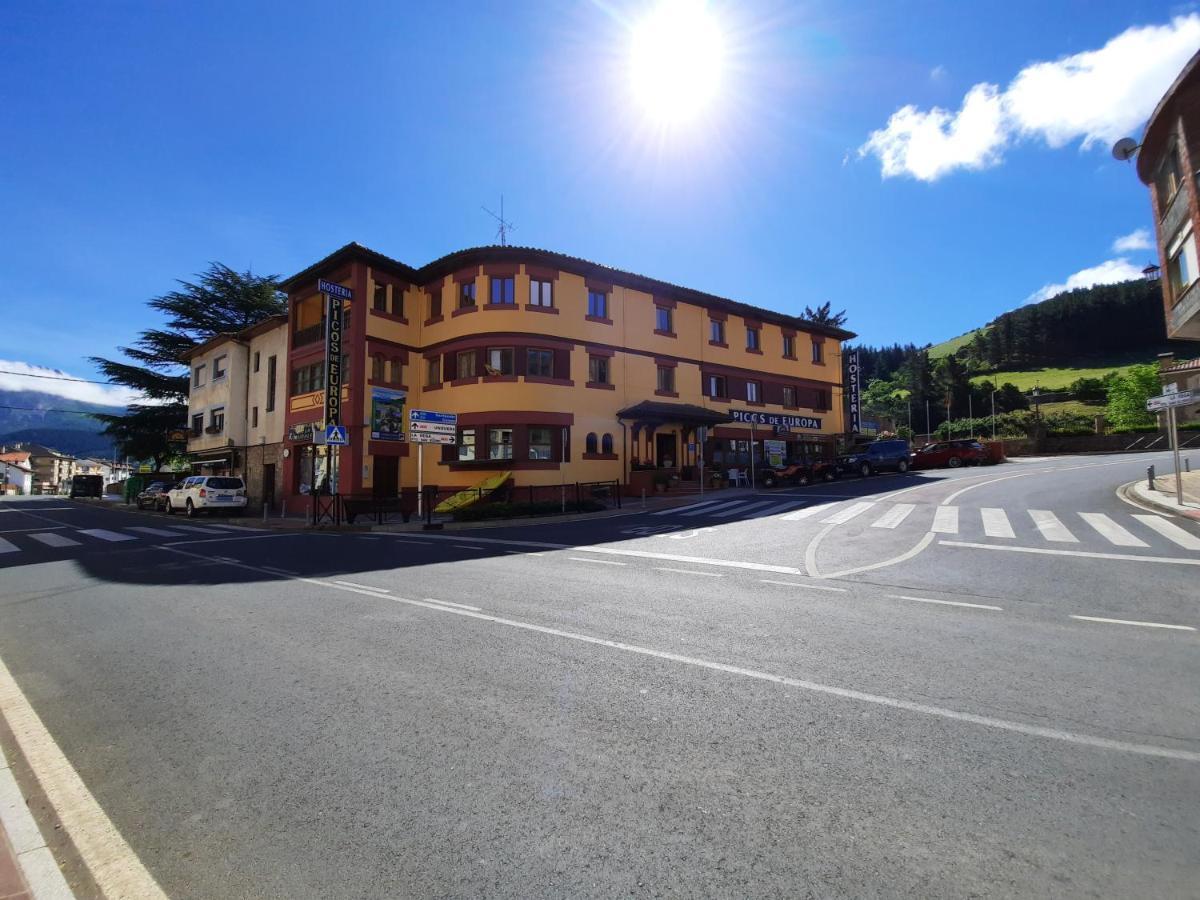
(430, 437)
(438, 418)
(1166, 401)
(336, 436)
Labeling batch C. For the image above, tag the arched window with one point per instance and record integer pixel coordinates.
(606, 444)
(590, 443)
(377, 367)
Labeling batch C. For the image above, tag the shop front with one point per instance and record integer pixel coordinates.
(758, 441)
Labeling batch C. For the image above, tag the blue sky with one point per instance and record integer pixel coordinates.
(145, 139)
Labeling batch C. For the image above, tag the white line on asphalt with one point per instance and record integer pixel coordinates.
(778, 508)
(690, 572)
(599, 562)
(365, 587)
(811, 587)
(945, 602)
(846, 513)
(523, 553)
(1086, 740)
(1171, 531)
(681, 509)
(279, 571)
(54, 539)
(1111, 531)
(105, 535)
(157, 532)
(1051, 527)
(995, 523)
(112, 863)
(34, 858)
(903, 557)
(448, 603)
(403, 541)
(740, 510)
(805, 512)
(1081, 553)
(945, 520)
(1132, 622)
(8, 546)
(704, 511)
(198, 529)
(467, 547)
(235, 537)
(26, 530)
(894, 516)
(235, 528)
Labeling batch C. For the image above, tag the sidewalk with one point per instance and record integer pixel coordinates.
(28, 870)
(1162, 497)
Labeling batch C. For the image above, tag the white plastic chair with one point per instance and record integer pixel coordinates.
(738, 477)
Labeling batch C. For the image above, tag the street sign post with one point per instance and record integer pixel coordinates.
(426, 426)
(1168, 400)
(336, 436)
(334, 295)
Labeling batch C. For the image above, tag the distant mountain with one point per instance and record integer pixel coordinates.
(58, 422)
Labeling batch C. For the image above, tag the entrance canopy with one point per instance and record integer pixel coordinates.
(652, 413)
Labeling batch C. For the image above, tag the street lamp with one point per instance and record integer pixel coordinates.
(994, 413)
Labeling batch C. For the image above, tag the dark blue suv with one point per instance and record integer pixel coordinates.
(881, 456)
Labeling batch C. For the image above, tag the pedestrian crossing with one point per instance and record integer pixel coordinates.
(995, 523)
(93, 538)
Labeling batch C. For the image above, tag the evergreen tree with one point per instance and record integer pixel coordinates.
(822, 315)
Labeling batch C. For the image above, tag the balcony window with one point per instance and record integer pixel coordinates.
(1181, 263)
(465, 362)
(216, 420)
(789, 395)
(540, 363)
(503, 291)
(198, 425)
(717, 387)
(541, 443)
(541, 293)
(753, 392)
(500, 443)
(499, 361)
(466, 295)
(1167, 182)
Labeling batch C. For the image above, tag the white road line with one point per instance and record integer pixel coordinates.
(279, 571)
(1132, 622)
(1084, 554)
(467, 547)
(157, 532)
(1111, 531)
(690, 572)
(995, 523)
(743, 509)
(54, 539)
(448, 603)
(238, 537)
(845, 514)
(106, 535)
(235, 528)
(365, 587)
(601, 562)
(705, 510)
(679, 509)
(26, 530)
(403, 541)
(778, 508)
(811, 587)
(945, 602)
(198, 529)
(1171, 531)
(1051, 527)
(1030, 730)
(8, 547)
(945, 520)
(806, 512)
(523, 553)
(894, 516)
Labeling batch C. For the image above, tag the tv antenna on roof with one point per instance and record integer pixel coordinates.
(505, 225)
(1124, 149)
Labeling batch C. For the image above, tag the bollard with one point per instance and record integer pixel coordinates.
(1187, 464)
(1150, 476)
(643, 498)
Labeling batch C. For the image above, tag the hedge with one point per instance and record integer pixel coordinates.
(481, 512)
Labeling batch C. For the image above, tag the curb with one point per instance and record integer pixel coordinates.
(1132, 493)
(34, 861)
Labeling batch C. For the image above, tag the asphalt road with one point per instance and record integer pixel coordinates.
(837, 691)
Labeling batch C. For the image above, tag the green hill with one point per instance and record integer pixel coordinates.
(945, 348)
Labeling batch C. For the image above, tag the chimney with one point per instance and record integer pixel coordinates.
(1165, 361)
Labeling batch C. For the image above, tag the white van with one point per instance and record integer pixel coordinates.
(200, 493)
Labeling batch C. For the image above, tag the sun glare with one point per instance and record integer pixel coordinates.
(677, 58)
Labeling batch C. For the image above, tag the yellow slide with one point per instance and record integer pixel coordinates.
(472, 495)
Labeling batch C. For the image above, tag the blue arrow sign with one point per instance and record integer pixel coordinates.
(335, 435)
(425, 415)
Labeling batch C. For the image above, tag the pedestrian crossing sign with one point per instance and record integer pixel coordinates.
(335, 435)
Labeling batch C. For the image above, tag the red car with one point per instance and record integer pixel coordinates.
(950, 453)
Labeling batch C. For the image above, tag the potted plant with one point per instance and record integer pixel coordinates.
(661, 482)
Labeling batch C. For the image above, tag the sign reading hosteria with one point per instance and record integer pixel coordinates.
(334, 295)
(810, 423)
(852, 389)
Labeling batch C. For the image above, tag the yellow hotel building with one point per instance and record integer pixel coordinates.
(559, 370)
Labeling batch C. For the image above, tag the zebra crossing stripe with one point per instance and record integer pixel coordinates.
(894, 516)
(995, 523)
(1171, 532)
(105, 535)
(847, 513)
(805, 513)
(738, 510)
(945, 520)
(157, 532)
(8, 546)
(1051, 527)
(708, 509)
(680, 509)
(54, 539)
(778, 508)
(200, 530)
(1111, 531)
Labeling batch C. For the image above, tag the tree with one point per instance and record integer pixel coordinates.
(219, 302)
(822, 315)
(1127, 396)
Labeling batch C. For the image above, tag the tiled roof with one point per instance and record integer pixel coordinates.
(1186, 365)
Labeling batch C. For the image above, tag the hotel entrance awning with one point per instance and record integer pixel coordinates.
(653, 413)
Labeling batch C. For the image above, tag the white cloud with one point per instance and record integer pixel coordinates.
(70, 390)
(1135, 240)
(1109, 272)
(1097, 96)
(937, 73)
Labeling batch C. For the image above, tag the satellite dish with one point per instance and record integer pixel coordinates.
(1125, 148)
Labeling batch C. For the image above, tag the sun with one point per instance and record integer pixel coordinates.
(677, 57)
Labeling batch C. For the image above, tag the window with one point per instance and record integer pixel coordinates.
(435, 305)
(1181, 263)
(433, 371)
(198, 425)
(751, 338)
(503, 291)
(598, 369)
(753, 392)
(540, 443)
(590, 443)
(818, 352)
(716, 331)
(466, 363)
(666, 379)
(1168, 180)
(379, 299)
(539, 363)
(308, 378)
(499, 361)
(541, 293)
(377, 367)
(198, 376)
(254, 417)
(500, 443)
(256, 355)
(597, 304)
(397, 302)
(789, 395)
(216, 419)
(466, 445)
(397, 371)
(219, 364)
(662, 319)
(606, 444)
(270, 384)
(717, 386)
(789, 346)
(466, 294)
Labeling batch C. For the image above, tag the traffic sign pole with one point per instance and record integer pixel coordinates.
(1175, 451)
(420, 480)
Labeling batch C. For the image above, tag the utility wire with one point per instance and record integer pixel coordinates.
(78, 412)
(57, 377)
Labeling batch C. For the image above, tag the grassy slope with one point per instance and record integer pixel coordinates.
(945, 348)
(1050, 379)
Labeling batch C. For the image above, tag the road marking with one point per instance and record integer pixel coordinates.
(448, 603)
(805, 512)
(26, 530)
(403, 541)
(1111, 531)
(945, 520)
(8, 546)
(279, 571)
(845, 514)
(235, 528)
(744, 509)
(1087, 740)
(601, 562)
(106, 535)
(945, 602)
(112, 863)
(995, 523)
(1081, 553)
(524, 553)
(1132, 622)
(903, 557)
(467, 547)
(1171, 531)
(679, 509)
(894, 516)
(54, 539)
(811, 587)
(705, 510)
(157, 532)
(1051, 527)
(240, 537)
(778, 508)
(690, 572)
(365, 587)
(198, 529)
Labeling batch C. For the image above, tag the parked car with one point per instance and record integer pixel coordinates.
(208, 493)
(86, 486)
(799, 473)
(950, 453)
(881, 456)
(154, 496)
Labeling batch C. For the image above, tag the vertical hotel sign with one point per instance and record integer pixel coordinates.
(853, 385)
(334, 295)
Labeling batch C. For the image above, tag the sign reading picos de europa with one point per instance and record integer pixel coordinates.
(334, 295)
(808, 423)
